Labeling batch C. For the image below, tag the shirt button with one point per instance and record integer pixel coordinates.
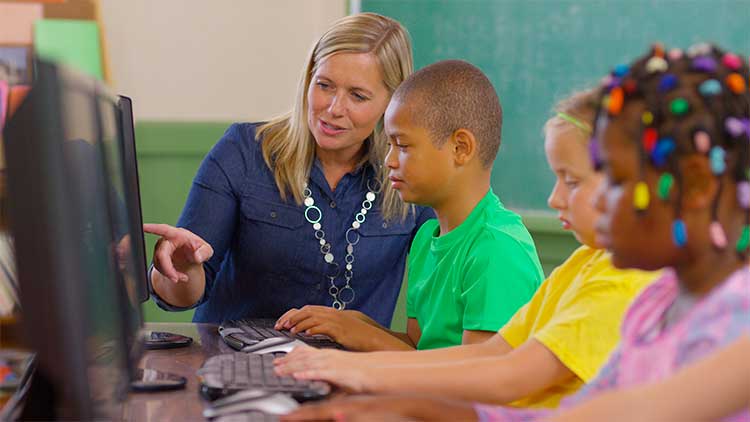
(333, 204)
(385, 225)
(273, 214)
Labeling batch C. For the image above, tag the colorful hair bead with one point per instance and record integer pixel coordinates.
(731, 61)
(594, 153)
(629, 85)
(647, 118)
(718, 160)
(656, 64)
(743, 194)
(679, 106)
(621, 70)
(675, 54)
(666, 181)
(613, 83)
(744, 239)
(702, 141)
(718, 237)
(650, 136)
(704, 64)
(736, 83)
(658, 49)
(710, 87)
(699, 49)
(679, 233)
(667, 82)
(641, 197)
(616, 99)
(736, 126)
(661, 151)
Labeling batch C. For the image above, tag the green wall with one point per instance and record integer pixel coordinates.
(169, 154)
(168, 157)
(538, 51)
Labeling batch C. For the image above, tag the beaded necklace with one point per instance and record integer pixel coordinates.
(344, 295)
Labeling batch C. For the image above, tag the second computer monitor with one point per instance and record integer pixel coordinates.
(133, 196)
(61, 190)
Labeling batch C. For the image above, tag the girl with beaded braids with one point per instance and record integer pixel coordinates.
(298, 210)
(672, 137)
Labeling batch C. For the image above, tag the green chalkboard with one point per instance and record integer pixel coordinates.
(537, 51)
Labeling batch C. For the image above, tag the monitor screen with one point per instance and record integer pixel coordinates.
(133, 197)
(125, 217)
(61, 190)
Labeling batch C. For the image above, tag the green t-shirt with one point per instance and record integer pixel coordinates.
(473, 278)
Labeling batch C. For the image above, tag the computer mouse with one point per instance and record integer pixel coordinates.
(272, 345)
(247, 400)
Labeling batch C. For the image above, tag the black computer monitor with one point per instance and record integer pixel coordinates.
(137, 277)
(125, 223)
(133, 195)
(60, 194)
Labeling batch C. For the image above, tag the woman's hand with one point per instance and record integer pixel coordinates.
(352, 329)
(335, 366)
(387, 408)
(177, 251)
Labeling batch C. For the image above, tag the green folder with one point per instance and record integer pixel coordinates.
(73, 42)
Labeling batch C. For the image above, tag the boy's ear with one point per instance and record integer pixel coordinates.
(698, 182)
(464, 146)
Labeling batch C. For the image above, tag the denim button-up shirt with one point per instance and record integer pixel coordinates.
(266, 258)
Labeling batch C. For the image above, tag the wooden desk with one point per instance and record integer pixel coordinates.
(180, 405)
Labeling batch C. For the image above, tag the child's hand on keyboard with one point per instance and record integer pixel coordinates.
(351, 329)
(335, 366)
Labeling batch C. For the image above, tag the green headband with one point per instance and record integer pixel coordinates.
(577, 123)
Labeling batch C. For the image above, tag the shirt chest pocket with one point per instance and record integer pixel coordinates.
(386, 242)
(272, 230)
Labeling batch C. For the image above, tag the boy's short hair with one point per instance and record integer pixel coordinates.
(452, 95)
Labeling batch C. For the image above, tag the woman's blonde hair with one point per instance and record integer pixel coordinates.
(577, 111)
(288, 145)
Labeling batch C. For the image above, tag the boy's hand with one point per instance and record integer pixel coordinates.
(349, 328)
(334, 366)
(386, 408)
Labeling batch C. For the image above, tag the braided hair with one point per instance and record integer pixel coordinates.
(695, 102)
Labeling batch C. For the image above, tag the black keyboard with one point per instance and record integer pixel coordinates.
(226, 374)
(245, 332)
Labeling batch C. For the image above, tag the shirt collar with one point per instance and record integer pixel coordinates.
(318, 177)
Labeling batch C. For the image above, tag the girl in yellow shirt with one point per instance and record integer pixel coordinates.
(551, 346)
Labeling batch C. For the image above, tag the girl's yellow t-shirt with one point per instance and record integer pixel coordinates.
(576, 314)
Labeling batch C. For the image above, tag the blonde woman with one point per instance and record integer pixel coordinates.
(297, 210)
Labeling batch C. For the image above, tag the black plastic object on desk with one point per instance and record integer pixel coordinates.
(163, 340)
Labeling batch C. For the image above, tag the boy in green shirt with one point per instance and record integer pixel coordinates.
(473, 267)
